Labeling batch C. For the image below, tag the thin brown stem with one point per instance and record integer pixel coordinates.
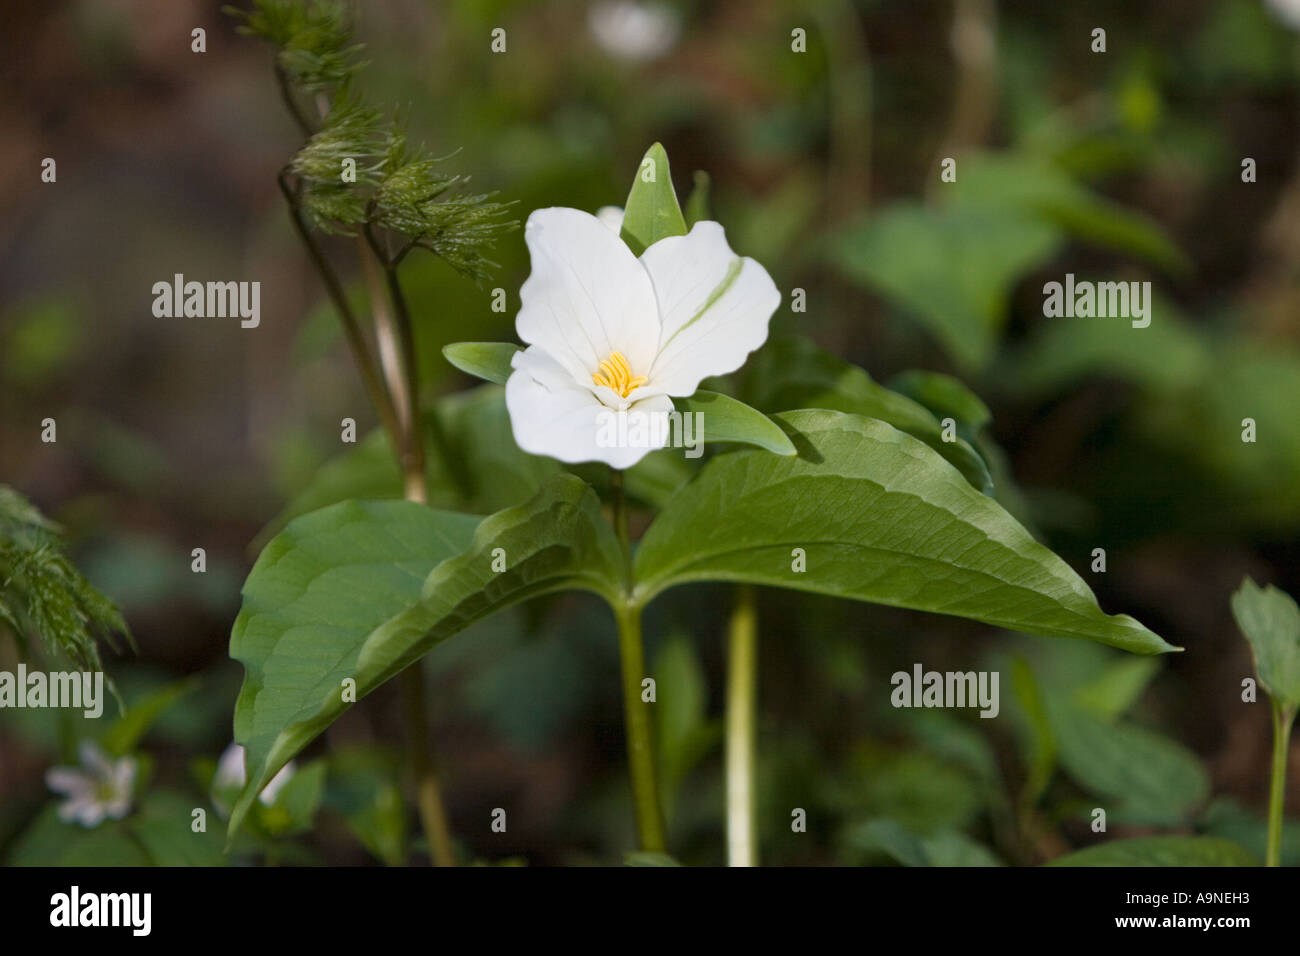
(428, 794)
(356, 339)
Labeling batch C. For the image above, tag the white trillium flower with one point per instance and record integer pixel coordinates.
(231, 775)
(610, 333)
(612, 217)
(99, 789)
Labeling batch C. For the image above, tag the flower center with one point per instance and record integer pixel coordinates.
(615, 373)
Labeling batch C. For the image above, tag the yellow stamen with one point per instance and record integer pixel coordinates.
(615, 373)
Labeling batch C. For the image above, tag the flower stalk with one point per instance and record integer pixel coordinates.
(741, 730)
(1282, 721)
(636, 716)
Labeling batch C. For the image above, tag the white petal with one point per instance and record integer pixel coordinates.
(83, 809)
(230, 768)
(94, 759)
(69, 781)
(587, 295)
(123, 775)
(714, 307)
(276, 784)
(611, 217)
(552, 415)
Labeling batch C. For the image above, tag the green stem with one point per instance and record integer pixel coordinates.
(640, 753)
(428, 795)
(742, 707)
(636, 713)
(1282, 720)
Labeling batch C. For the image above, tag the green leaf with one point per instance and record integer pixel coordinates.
(651, 212)
(944, 847)
(944, 396)
(129, 729)
(1118, 688)
(1160, 851)
(1037, 740)
(163, 825)
(363, 788)
(361, 590)
(485, 360)
(477, 426)
(791, 373)
(1270, 620)
(1149, 778)
(1166, 356)
(880, 518)
(726, 419)
(1005, 182)
(953, 270)
(295, 805)
(48, 841)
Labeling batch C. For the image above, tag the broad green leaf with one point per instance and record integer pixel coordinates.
(728, 420)
(1147, 778)
(953, 270)
(651, 212)
(163, 826)
(880, 517)
(361, 590)
(1005, 182)
(1270, 620)
(48, 841)
(1160, 851)
(793, 373)
(944, 396)
(485, 360)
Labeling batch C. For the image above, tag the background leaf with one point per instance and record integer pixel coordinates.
(485, 360)
(1270, 620)
(1160, 851)
(953, 270)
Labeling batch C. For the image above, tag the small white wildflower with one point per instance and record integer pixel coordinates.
(231, 775)
(98, 790)
(633, 31)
